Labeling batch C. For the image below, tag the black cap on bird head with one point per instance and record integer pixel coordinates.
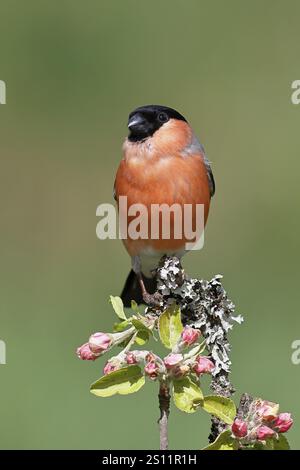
(145, 120)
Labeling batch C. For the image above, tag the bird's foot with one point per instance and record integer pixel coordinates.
(154, 300)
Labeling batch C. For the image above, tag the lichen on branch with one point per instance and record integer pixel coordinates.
(192, 320)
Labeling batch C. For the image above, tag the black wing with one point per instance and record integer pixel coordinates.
(211, 179)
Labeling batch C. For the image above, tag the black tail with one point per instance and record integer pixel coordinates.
(132, 289)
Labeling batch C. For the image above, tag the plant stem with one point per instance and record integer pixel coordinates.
(164, 406)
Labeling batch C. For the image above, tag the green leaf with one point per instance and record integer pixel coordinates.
(140, 325)
(221, 407)
(123, 381)
(170, 326)
(117, 305)
(121, 326)
(187, 395)
(143, 332)
(281, 443)
(134, 306)
(224, 441)
(142, 337)
(273, 444)
(269, 444)
(256, 446)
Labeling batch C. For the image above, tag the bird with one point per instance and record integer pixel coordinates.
(163, 163)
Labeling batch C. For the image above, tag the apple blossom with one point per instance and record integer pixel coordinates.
(203, 365)
(84, 352)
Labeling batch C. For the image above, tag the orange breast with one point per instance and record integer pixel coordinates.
(162, 180)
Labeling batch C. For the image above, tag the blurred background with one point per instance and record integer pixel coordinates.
(74, 70)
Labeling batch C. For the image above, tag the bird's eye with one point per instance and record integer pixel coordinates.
(163, 117)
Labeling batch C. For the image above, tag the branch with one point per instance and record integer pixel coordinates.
(183, 308)
(204, 305)
(164, 406)
(244, 405)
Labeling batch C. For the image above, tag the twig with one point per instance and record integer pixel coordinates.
(244, 405)
(164, 406)
(206, 306)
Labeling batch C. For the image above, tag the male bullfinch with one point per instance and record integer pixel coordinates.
(163, 163)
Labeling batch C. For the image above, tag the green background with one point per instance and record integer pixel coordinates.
(74, 70)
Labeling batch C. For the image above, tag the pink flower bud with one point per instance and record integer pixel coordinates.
(264, 432)
(150, 357)
(180, 370)
(239, 428)
(283, 422)
(172, 360)
(267, 410)
(84, 353)
(109, 367)
(100, 342)
(131, 358)
(203, 365)
(152, 370)
(189, 336)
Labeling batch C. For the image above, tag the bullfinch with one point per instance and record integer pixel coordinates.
(163, 164)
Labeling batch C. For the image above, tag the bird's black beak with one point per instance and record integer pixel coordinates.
(136, 124)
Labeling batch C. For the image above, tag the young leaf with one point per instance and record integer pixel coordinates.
(121, 326)
(123, 381)
(117, 305)
(224, 441)
(273, 444)
(221, 407)
(269, 444)
(256, 446)
(140, 326)
(143, 332)
(134, 306)
(281, 443)
(141, 337)
(187, 395)
(170, 326)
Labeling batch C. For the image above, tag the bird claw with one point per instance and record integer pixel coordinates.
(154, 300)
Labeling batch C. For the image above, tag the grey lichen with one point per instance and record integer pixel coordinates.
(206, 306)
